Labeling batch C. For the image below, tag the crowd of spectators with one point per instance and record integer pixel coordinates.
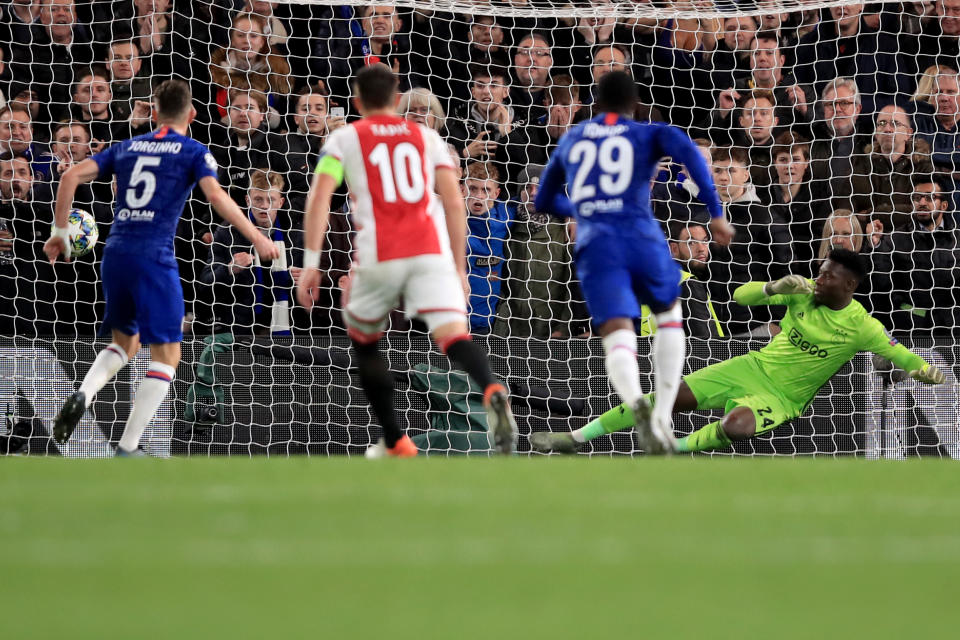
(823, 128)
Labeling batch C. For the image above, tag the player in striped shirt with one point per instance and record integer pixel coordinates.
(405, 248)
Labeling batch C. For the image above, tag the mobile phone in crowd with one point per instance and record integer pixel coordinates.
(336, 112)
(279, 264)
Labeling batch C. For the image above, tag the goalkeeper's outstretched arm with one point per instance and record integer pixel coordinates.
(774, 293)
(916, 367)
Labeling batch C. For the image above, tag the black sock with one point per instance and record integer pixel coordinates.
(468, 356)
(377, 383)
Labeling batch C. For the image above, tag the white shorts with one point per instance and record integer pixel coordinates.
(428, 285)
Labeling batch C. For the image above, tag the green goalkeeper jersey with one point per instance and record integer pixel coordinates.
(816, 341)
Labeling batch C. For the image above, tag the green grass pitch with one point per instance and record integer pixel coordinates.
(435, 548)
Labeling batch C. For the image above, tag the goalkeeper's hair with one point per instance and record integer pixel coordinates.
(851, 261)
(376, 86)
(172, 99)
(617, 93)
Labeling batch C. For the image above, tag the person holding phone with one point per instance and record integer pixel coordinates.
(251, 293)
(315, 116)
(479, 126)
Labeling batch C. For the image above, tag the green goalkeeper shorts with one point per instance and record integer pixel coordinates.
(740, 382)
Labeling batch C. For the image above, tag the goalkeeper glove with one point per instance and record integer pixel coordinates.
(928, 375)
(788, 285)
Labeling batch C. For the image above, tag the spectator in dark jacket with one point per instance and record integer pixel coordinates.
(926, 275)
(46, 59)
(484, 47)
(759, 251)
(93, 105)
(756, 122)
(313, 122)
(938, 40)
(844, 46)
(478, 127)
(792, 201)
(690, 247)
(532, 65)
(538, 271)
(535, 142)
(883, 171)
(60, 299)
(126, 85)
(243, 143)
(16, 139)
(251, 297)
(940, 128)
(794, 101)
(731, 59)
(834, 135)
(375, 36)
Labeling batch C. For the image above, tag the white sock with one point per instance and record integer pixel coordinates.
(622, 368)
(669, 350)
(151, 392)
(104, 367)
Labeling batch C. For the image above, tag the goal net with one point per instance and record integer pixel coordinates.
(826, 124)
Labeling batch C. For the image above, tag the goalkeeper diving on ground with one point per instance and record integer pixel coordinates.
(824, 327)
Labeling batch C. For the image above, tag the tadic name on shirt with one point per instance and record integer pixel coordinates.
(596, 130)
(154, 146)
(390, 129)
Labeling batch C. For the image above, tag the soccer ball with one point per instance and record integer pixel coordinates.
(83, 232)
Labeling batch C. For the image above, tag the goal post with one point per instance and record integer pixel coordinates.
(827, 124)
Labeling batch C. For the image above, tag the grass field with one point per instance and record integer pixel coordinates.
(543, 548)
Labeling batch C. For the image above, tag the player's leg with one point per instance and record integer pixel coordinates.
(656, 281)
(711, 387)
(164, 358)
(453, 339)
(620, 358)
(368, 299)
(159, 313)
(745, 418)
(608, 289)
(669, 351)
(616, 419)
(119, 282)
(435, 294)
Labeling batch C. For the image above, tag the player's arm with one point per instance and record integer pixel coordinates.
(678, 145)
(327, 177)
(456, 215)
(231, 213)
(59, 242)
(778, 292)
(551, 194)
(881, 343)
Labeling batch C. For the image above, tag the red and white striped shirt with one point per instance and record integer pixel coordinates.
(389, 164)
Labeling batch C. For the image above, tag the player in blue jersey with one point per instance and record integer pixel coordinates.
(155, 174)
(600, 174)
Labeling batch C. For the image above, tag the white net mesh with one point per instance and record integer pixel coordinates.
(828, 124)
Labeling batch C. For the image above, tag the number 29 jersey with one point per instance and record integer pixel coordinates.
(389, 164)
(155, 174)
(607, 164)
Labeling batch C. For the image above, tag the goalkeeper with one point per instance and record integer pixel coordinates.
(824, 327)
